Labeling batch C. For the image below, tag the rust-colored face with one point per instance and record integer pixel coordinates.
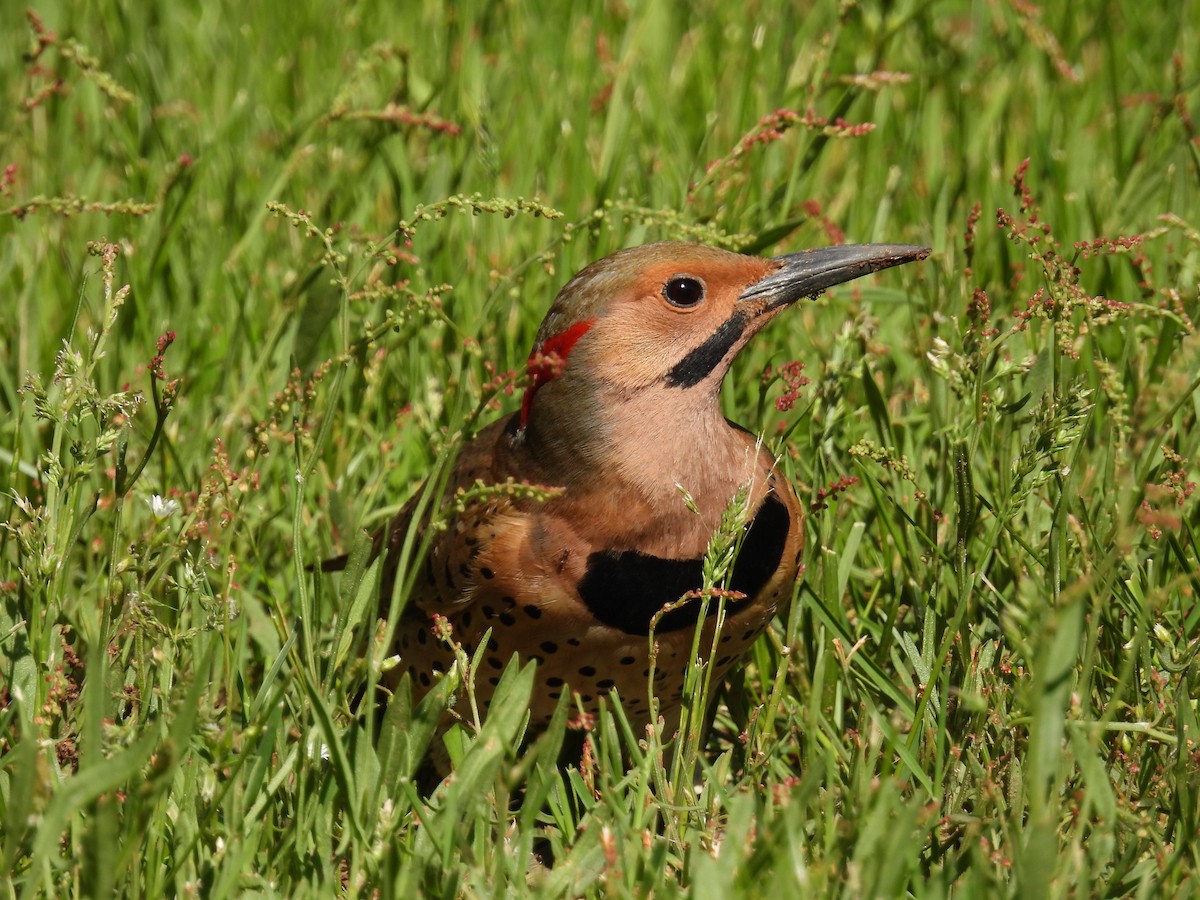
(662, 306)
(676, 314)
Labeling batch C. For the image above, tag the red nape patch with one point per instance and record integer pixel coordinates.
(549, 361)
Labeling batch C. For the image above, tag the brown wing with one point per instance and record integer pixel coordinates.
(517, 577)
(448, 573)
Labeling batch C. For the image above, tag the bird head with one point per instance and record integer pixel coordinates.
(671, 317)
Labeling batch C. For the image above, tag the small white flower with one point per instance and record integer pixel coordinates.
(161, 508)
(939, 357)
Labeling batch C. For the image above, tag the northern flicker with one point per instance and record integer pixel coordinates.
(621, 415)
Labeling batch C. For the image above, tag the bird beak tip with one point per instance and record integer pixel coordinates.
(808, 273)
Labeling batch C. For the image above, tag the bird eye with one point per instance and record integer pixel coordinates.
(683, 291)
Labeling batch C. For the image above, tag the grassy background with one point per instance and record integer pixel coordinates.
(988, 680)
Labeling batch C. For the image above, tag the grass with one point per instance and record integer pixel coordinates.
(987, 683)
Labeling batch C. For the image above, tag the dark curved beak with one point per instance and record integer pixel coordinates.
(807, 274)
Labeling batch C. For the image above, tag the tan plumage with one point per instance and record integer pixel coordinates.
(622, 413)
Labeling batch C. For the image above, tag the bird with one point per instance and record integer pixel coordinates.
(620, 430)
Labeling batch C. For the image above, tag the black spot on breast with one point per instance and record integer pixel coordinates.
(624, 590)
(534, 612)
